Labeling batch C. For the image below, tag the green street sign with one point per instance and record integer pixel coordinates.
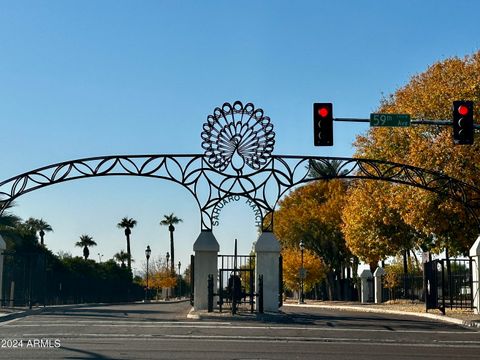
(402, 120)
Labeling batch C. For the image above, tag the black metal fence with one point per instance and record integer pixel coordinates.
(448, 284)
(35, 278)
(444, 283)
(24, 279)
(409, 287)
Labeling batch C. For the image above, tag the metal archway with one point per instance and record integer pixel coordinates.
(238, 141)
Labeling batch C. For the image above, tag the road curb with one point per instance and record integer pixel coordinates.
(191, 315)
(18, 314)
(28, 312)
(444, 318)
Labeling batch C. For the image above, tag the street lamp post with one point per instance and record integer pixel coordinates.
(168, 258)
(302, 275)
(148, 252)
(179, 280)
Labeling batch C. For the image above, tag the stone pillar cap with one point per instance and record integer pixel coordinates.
(206, 241)
(475, 249)
(366, 274)
(3, 244)
(378, 272)
(267, 242)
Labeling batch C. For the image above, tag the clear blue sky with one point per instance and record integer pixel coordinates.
(87, 78)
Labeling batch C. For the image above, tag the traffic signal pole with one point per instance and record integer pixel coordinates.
(415, 122)
(462, 122)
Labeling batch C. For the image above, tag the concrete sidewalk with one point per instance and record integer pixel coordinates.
(7, 314)
(463, 318)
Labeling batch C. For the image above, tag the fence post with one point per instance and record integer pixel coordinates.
(377, 283)
(3, 246)
(210, 292)
(12, 294)
(364, 276)
(260, 294)
(475, 255)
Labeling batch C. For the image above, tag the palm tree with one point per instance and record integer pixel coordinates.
(128, 224)
(171, 220)
(8, 221)
(39, 225)
(327, 169)
(85, 242)
(121, 257)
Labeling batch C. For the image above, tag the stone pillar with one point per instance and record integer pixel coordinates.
(364, 276)
(3, 246)
(475, 255)
(206, 250)
(267, 253)
(377, 283)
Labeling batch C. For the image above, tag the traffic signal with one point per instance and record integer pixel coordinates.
(463, 122)
(322, 124)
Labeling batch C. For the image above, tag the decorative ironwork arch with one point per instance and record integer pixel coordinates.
(238, 141)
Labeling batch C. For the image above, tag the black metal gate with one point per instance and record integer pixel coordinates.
(236, 281)
(448, 284)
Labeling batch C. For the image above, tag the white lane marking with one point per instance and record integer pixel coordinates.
(219, 325)
(127, 322)
(9, 321)
(287, 339)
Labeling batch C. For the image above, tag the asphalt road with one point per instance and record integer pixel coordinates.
(162, 331)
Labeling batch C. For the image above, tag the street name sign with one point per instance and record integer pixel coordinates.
(397, 120)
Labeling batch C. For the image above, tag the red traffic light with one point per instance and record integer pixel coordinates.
(463, 110)
(463, 127)
(323, 124)
(323, 112)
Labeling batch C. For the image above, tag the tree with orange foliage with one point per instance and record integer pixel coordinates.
(315, 270)
(373, 229)
(312, 213)
(159, 276)
(430, 95)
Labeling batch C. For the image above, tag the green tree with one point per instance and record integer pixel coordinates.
(128, 224)
(121, 257)
(326, 168)
(171, 220)
(8, 222)
(85, 242)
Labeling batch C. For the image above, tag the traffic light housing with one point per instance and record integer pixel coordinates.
(323, 124)
(463, 122)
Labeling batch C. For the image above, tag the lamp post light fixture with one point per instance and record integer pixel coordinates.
(168, 258)
(302, 275)
(148, 252)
